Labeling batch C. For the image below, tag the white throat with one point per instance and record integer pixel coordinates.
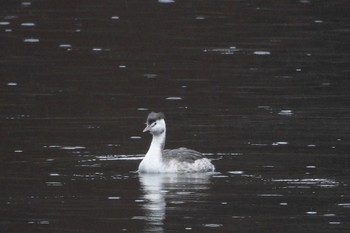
(152, 162)
(158, 141)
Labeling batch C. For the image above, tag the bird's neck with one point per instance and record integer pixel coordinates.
(156, 148)
(158, 143)
(152, 162)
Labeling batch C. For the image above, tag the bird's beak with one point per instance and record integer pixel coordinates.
(148, 128)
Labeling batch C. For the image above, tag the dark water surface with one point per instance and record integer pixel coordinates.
(262, 84)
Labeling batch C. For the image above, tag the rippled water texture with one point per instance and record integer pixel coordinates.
(262, 87)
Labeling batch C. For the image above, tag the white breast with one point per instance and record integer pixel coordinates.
(152, 163)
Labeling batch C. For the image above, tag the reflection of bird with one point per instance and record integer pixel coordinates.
(158, 160)
(155, 205)
(160, 189)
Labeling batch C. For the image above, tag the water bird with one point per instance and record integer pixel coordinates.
(159, 160)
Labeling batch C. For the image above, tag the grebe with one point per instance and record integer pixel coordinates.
(158, 160)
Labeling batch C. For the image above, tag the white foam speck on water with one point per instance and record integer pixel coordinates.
(311, 145)
(122, 66)
(65, 46)
(97, 49)
(166, 1)
(224, 51)
(8, 30)
(200, 18)
(236, 172)
(329, 215)
(177, 202)
(28, 24)
(139, 201)
(334, 223)
(119, 157)
(18, 151)
(174, 98)
(212, 225)
(139, 217)
(238, 217)
(345, 205)
(283, 204)
(270, 195)
(286, 112)
(25, 4)
(52, 146)
(265, 107)
(113, 145)
(12, 84)
(54, 174)
(220, 176)
(229, 153)
(324, 183)
(311, 212)
(279, 143)
(11, 17)
(31, 40)
(72, 147)
(4, 23)
(142, 109)
(184, 193)
(114, 17)
(188, 228)
(318, 21)
(135, 137)
(262, 53)
(113, 198)
(258, 144)
(311, 167)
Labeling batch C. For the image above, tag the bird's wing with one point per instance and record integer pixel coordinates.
(182, 155)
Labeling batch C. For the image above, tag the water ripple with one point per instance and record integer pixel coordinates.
(316, 182)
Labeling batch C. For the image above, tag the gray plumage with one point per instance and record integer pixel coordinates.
(182, 154)
(153, 116)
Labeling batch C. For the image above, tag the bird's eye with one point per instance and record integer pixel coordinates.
(150, 122)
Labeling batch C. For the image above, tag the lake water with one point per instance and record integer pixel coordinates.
(261, 87)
